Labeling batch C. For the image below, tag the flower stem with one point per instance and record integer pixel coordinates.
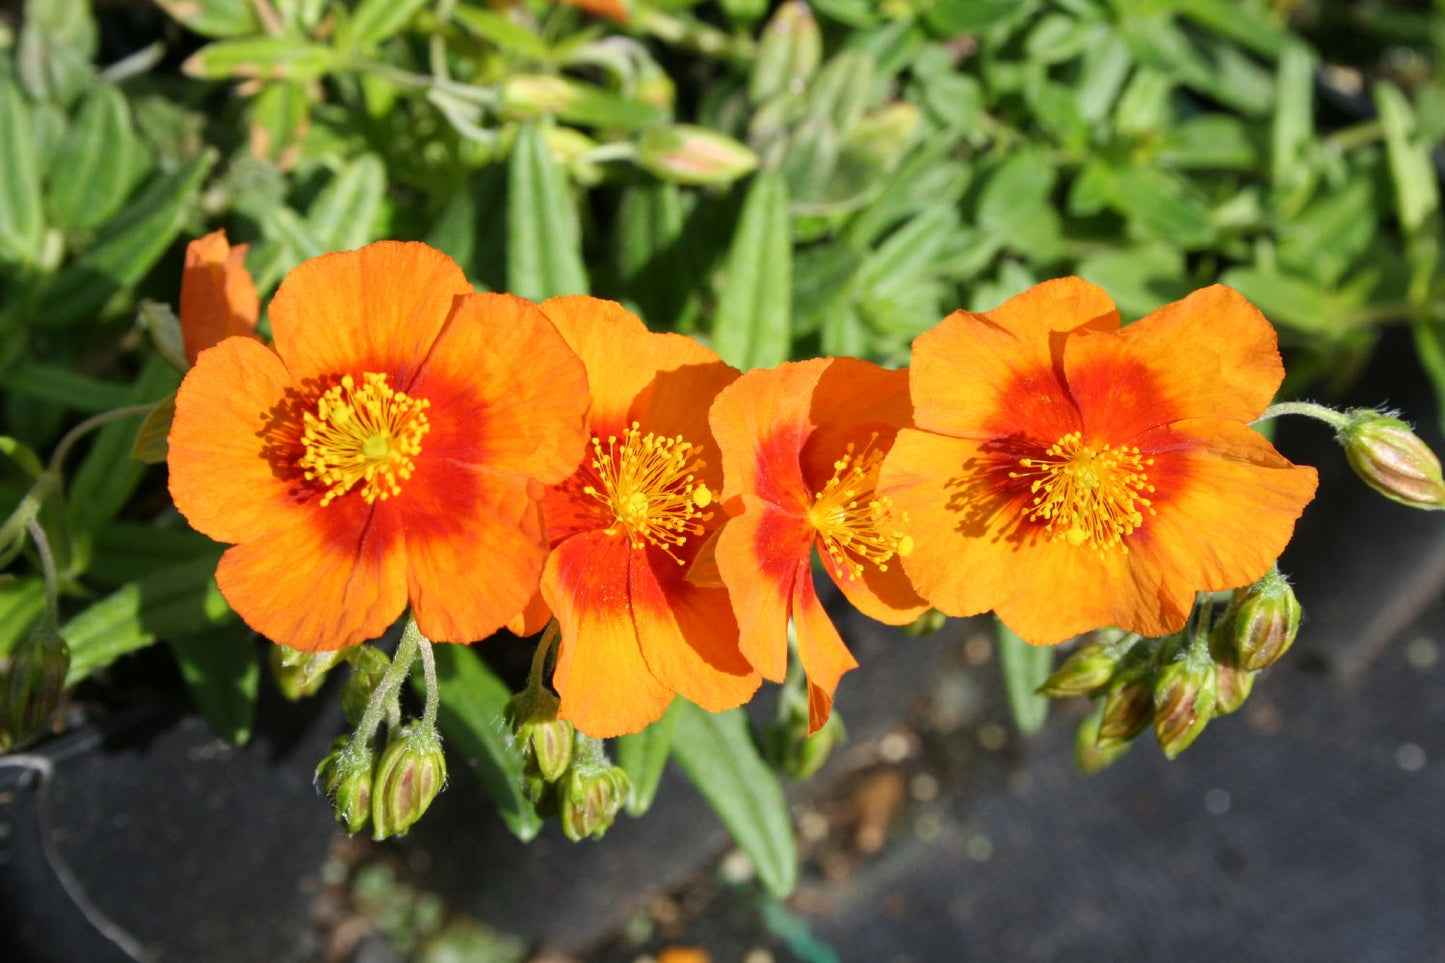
(1331, 417)
(47, 565)
(387, 690)
(429, 672)
(539, 657)
(90, 424)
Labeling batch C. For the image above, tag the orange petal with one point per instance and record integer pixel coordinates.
(605, 686)
(506, 375)
(761, 422)
(218, 296)
(996, 373)
(1211, 355)
(374, 309)
(688, 635)
(854, 401)
(821, 650)
(532, 619)
(611, 9)
(885, 594)
(335, 579)
(759, 555)
(223, 476)
(474, 548)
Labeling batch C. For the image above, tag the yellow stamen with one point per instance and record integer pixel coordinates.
(649, 486)
(1088, 495)
(853, 523)
(365, 435)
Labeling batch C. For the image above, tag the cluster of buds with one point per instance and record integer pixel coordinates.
(1179, 684)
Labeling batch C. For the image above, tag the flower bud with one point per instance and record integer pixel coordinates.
(1266, 621)
(926, 624)
(1091, 753)
(1086, 670)
(1392, 459)
(798, 754)
(1232, 686)
(590, 797)
(300, 674)
(531, 95)
(36, 679)
(368, 665)
(788, 54)
(692, 155)
(411, 772)
(1129, 696)
(1184, 693)
(344, 776)
(544, 740)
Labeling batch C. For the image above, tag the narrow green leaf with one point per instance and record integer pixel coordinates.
(97, 162)
(508, 34)
(262, 58)
(1244, 23)
(344, 214)
(214, 18)
(128, 247)
(1417, 192)
(280, 115)
(656, 272)
(21, 602)
(643, 755)
(752, 326)
(1102, 72)
(716, 751)
(1430, 347)
(173, 601)
(56, 53)
(1209, 141)
(221, 670)
(66, 387)
(472, 699)
(951, 17)
(544, 240)
(1163, 204)
(1025, 667)
(1294, 120)
(377, 20)
(151, 440)
(120, 549)
(160, 322)
(21, 219)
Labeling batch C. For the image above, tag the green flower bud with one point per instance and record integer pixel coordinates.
(1184, 694)
(532, 95)
(344, 777)
(1232, 686)
(1129, 696)
(788, 54)
(685, 154)
(544, 740)
(590, 797)
(411, 772)
(301, 674)
(1392, 459)
(1091, 753)
(798, 754)
(926, 624)
(1266, 621)
(36, 679)
(1082, 672)
(368, 665)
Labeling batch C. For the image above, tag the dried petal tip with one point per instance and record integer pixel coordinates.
(411, 772)
(1266, 621)
(1392, 459)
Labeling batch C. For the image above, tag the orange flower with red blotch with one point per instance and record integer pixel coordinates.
(801, 446)
(387, 452)
(626, 527)
(1069, 473)
(218, 296)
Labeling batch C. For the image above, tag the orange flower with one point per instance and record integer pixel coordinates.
(801, 447)
(218, 297)
(627, 526)
(611, 9)
(1069, 473)
(386, 452)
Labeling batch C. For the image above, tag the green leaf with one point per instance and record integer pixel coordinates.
(214, 18)
(344, 214)
(1290, 300)
(97, 162)
(950, 17)
(1209, 141)
(1102, 72)
(656, 270)
(1244, 23)
(509, 35)
(128, 247)
(151, 440)
(472, 699)
(1327, 237)
(1294, 124)
(160, 322)
(221, 670)
(1025, 667)
(280, 114)
(643, 755)
(377, 20)
(262, 58)
(716, 751)
(21, 602)
(1430, 347)
(173, 601)
(752, 325)
(66, 387)
(1417, 192)
(1139, 279)
(21, 219)
(1163, 205)
(1014, 206)
(120, 549)
(57, 49)
(544, 240)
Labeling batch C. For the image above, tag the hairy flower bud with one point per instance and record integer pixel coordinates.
(368, 665)
(344, 776)
(1232, 682)
(590, 797)
(544, 740)
(1392, 459)
(1129, 696)
(1091, 753)
(300, 674)
(36, 679)
(411, 772)
(1082, 672)
(1266, 621)
(690, 155)
(926, 624)
(1184, 694)
(798, 754)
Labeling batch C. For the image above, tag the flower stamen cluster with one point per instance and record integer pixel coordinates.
(855, 524)
(365, 435)
(1087, 495)
(649, 486)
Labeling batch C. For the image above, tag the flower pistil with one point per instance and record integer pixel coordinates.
(649, 485)
(853, 523)
(1088, 495)
(365, 435)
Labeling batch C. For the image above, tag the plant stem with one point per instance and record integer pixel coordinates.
(539, 657)
(90, 424)
(386, 692)
(429, 672)
(47, 565)
(1331, 417)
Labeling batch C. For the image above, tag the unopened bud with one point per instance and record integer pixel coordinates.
(411, 772)
(1091, 753)
(1086, 670)
(1392, 459)
(1129, 696)
(926, 624)
(685, 154)
(344, 776)
(788, 54)
(590, 797)
(37, 677)
(544, 740)
(300, 674)
(532, 95)
(1266, 621)
(1232, 682)
(1184, 692)
(368, 665)
(798, 754)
